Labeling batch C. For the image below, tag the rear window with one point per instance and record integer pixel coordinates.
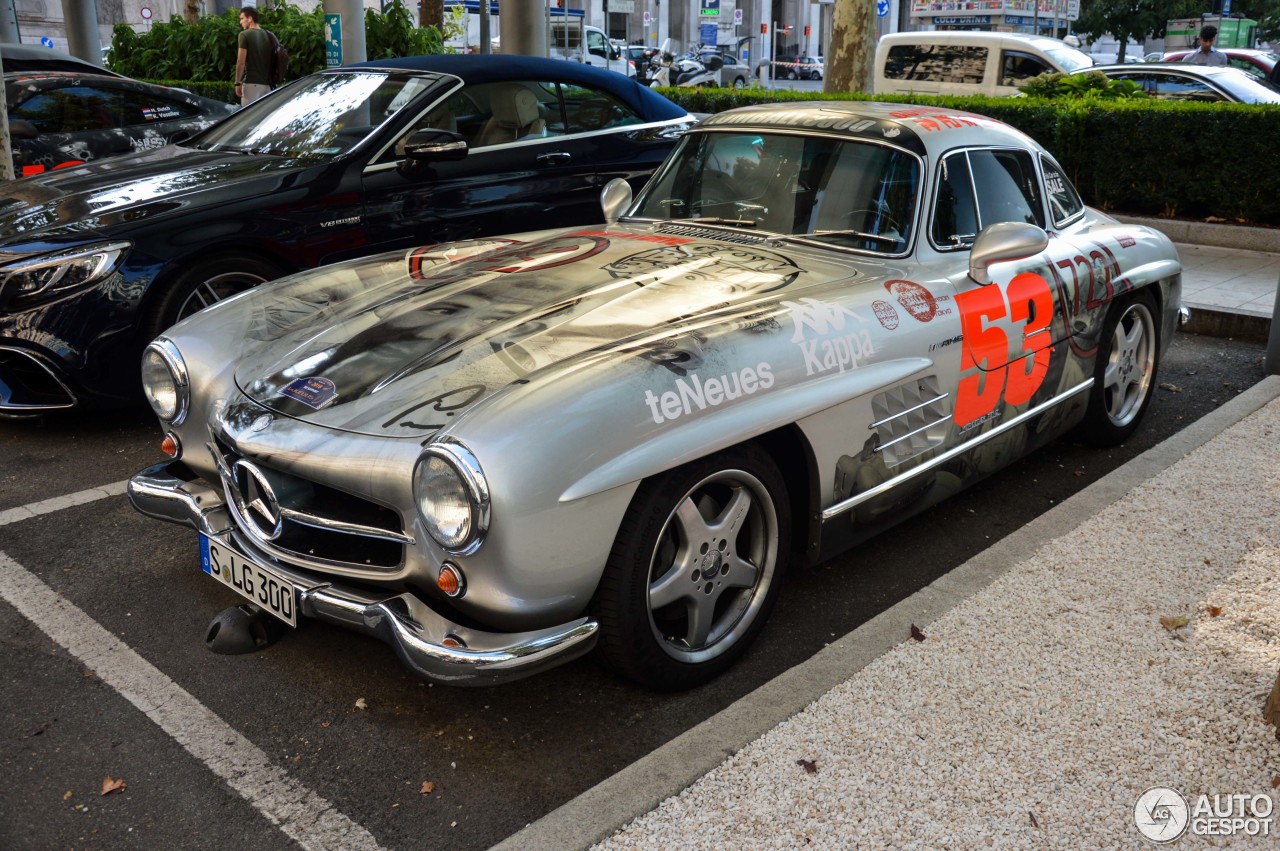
(944, 63)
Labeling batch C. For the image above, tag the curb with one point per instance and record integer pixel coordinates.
(1221, 323)
(1245, 237)
(603, 809)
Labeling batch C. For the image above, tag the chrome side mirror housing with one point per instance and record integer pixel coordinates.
(1001, 243)
(615, 198)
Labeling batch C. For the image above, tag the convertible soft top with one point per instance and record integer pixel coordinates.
(478, 68)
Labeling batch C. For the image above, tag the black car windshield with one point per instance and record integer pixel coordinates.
(320, 116)
(845, 193)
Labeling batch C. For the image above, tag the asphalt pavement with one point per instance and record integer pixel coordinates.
(817, 754)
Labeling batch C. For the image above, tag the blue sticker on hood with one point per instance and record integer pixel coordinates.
(312, 392)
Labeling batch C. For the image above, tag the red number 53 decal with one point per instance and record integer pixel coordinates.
(987, 370)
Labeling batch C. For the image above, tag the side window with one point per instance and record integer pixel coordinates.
(508, 112)
(937, 62)
(1007, 187)
(1064, 203)
(145, 108)
(1017, 67)
(1169, 87)
(596, 45)
(73, 109)
(955, 216)
(589, 109)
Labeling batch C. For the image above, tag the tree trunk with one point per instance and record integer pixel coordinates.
(852, 53)
(191, 11)
(433, 14)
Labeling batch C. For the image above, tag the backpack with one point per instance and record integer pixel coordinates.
(279, 60)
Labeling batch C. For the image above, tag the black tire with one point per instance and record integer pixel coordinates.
(1124, 373)
(739, 83)
(203, 284)
(792, 75)
(682, 596)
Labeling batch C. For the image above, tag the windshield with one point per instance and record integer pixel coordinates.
(1246, 88)
(1069, 58)
(844, 193)
(320, 116)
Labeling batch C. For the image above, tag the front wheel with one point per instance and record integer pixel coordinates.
(739, 83)
(1124, 373)
(695, 569)
(204, 284)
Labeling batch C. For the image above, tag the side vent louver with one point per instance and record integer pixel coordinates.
(910, 419)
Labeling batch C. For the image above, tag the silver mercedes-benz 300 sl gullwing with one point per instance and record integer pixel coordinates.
(815, 320)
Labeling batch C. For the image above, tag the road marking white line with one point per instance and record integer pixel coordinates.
(299, 812)
(35, 509)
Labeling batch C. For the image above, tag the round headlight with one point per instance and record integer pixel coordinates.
(164, 381)
(452, 497)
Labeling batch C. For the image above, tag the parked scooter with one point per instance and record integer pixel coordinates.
(660, 70)
(691, 72)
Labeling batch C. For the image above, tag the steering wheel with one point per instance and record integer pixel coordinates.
(885, 219)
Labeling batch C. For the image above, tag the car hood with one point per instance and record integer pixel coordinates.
(98, 197)
(396, 346)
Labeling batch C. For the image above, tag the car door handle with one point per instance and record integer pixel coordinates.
(554, 158)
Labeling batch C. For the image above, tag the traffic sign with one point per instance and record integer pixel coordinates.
(146, 13)
(737, 17)
(332, 41)
(882, 8)
(709, 8)
(46, 41)
(648, 18)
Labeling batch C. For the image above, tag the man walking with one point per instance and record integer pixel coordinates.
(253, 58)
(1207, 54)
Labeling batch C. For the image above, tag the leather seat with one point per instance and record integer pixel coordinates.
(515, 116)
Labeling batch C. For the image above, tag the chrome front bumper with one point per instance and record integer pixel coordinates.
(416, 632)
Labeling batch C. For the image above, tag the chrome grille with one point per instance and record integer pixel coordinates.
(307, 523)
(910, 419)
(713, 233)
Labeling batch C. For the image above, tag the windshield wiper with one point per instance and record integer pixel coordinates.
(737, 223)
(858, 233)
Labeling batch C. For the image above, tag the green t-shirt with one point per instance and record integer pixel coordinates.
(257, 60)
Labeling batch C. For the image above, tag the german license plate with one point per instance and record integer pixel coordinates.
(255, 583)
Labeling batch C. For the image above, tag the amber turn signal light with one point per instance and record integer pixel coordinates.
(170, 446)
(450, 581)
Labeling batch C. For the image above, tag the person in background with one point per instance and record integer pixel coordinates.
(253, 58)
(1207, 54)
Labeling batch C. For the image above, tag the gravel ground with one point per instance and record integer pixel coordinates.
(1037, 711)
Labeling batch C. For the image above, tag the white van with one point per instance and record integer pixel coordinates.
(968, 62)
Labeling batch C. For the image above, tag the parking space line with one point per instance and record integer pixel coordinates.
(35, 509)
(299, 812)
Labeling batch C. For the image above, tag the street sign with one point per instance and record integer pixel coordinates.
(737, 17)
(146, 13)
(332, 41)
(1226, 7)
(709, 8)
(648, 18)
(882, 8)
(46, 41)
(707, 34)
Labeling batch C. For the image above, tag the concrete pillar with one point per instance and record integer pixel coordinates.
(6, 143)
(9, 23)
(522, 28)
(353, 43)
(83, 37)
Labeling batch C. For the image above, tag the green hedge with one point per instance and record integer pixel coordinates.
(1185, 160)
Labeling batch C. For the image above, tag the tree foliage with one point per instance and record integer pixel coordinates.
(1131, 21)
(206, 50)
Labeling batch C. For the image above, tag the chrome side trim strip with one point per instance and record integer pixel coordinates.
(912, 409)
(857, 499)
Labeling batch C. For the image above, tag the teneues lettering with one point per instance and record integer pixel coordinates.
(692, 393)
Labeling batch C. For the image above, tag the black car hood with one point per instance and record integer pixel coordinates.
(103, 196)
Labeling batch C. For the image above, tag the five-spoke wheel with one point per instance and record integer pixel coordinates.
(1124, 372)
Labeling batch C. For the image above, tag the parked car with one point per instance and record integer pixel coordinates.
(1193, 82)
(806, 68)
(968, 62)
(1259, 63)
(814, 321)
(59, 119)
(100, 258)
(733, 73)
(30, 57)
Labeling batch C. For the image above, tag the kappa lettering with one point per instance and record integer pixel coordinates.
(696, 394)
(842, 353)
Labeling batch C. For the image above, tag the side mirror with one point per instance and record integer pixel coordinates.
(1002, 242)
(433, 145)
(615, 198)
(22, 129)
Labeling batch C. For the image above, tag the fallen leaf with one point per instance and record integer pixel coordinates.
(1214, 611)
(1207, 561)
(1079, 473)
(88, 675)
(428, 787)
(916, 633)
(109, 785)
(1034, 823)
(396, 804)
(361, 704)
(324, 724)
(37, 730)
(1172, 623)
(1214, 219)
(67, 795)
(809, 765)
(297, 758)
(1275, 782)
(1172, 388)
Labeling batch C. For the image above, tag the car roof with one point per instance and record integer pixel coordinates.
(30, 57)
(953, 36)
(480, 68)
(1167, 68)
(924, 130)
